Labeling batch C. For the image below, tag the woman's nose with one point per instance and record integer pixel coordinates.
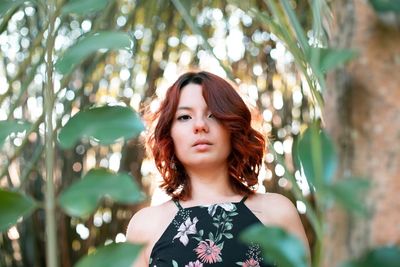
(201, 125)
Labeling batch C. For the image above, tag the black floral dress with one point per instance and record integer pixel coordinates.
(203, 236)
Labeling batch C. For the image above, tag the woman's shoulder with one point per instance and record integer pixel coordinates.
(277, 210)
(272, 208)
(146, 224)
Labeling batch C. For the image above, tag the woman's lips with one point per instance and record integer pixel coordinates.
(202, 145)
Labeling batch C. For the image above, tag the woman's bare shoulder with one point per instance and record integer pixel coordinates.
(146, 224)
(278, 210)
(275, 200)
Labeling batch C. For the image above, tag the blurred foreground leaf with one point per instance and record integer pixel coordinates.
(382, 257)
(349, 193)
(330, 58)
(90, 44)
(105, 124)
(82, 197)
(317, 155)
(12, 126)
(116, 255)
(277, 245)
(13, 206)
(6, 5)
(84, 6)
(386, 5)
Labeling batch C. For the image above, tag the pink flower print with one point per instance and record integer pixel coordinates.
(251, 263)
(208, 252)
(194, 264)
(186, 228)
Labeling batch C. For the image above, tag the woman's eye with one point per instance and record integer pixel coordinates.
(211, 116)
(183, 118)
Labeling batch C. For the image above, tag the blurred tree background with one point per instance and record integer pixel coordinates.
(125, 53)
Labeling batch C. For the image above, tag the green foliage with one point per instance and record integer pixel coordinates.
(13, 205)
(105, 124)
(386, 5)
(277, 245)
(84, 6)
(381, 256)
(12, 126)
(330, 58)
(89, 44)
(183, 8)
(349, 194)
(294, 22)
(6, 5)
(116, 255)
(82, 197)
(317, 156)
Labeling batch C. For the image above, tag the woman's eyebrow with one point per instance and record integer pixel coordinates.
(184, 108)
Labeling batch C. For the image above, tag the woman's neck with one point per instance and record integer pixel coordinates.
(210, 186)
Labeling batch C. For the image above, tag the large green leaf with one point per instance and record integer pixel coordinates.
(116, 255)
(12, 126)
(378, 257)
(349, 193)
(90, 44)
(386, 5)
(277, 245)
(84, 6)
(83, 196)
(13, 206)
(105, 124)
(316, 153)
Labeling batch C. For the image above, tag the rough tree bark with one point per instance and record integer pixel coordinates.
(362, 114)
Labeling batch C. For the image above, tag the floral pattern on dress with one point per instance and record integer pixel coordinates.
(194, 264)
(208, 252)
(253, 257)
(186, 228)
(251, 263)
(226, 206)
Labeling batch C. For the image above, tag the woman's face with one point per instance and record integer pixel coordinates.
(200, 140)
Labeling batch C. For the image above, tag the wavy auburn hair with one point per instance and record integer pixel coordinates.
(247, 144)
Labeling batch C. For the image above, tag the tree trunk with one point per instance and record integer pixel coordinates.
(362, 114)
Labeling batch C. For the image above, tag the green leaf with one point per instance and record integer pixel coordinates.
(90, 44)
(83, 196)
(277, 245)
(13, 206)
(84, 6)
(382, 256)
(330, 58)
(8, 5)
(105, 124)
(116, 255)
(386, 5)
(349, 193)
(228, 235)
(12, 126)
(301, 37)
(316, 154)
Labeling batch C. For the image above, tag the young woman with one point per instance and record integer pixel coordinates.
(209, 157)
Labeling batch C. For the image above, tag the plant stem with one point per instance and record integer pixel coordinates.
(51, 231)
